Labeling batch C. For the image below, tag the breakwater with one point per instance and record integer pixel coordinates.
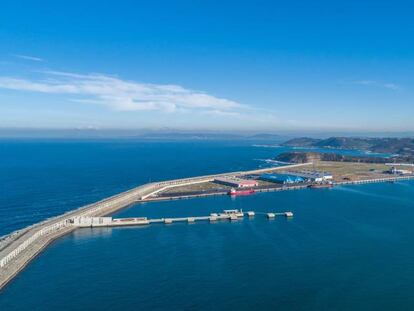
(374, 180)
(19, 248)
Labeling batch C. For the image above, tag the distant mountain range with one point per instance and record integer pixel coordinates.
(400, 146)
(139, 134)
(210, 136)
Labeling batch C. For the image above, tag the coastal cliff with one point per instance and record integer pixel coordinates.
(391, 145)
(304, 157)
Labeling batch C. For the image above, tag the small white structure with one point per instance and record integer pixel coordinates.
(84, 221)
(396, 171)
(236, 182)
(288, 214)
(231, 212)
(327, 176)
(271, 215)
(250, 214)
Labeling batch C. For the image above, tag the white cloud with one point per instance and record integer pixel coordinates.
(122, 95)
(390, 86)
(27, 57)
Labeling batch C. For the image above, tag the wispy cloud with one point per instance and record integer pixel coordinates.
(122, 95)
(390, 86)
(27, 57)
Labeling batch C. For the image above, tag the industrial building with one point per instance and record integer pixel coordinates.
(313, 176)
(236, 182)
(282, 178)
(298, 177)
(396, 171)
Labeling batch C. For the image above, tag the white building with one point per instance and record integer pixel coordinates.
(396, 171)
(85, 221)
(236, 182)
(314, 176)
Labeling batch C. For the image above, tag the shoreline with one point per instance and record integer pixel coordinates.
(19, 248)
(276, 189)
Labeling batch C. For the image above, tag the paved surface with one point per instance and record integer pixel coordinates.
(19, 248)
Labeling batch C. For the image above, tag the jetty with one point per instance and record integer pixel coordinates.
(96, 222)
(18, 248)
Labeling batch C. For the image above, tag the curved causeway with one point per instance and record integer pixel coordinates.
(20, 247)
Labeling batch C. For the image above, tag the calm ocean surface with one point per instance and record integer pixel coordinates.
(347, 248)
(40, 179)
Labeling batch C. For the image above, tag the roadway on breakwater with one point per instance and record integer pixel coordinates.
(20, 247)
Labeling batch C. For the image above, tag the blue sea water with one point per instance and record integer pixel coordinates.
(347, 248)
(44, 178)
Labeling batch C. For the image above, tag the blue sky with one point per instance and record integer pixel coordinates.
(224, 65)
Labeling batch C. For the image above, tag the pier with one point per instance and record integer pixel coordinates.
(96, 222)
(18, 248)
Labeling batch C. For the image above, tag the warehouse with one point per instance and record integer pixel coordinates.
(282, 178)
(396, 171)
(236, 182)
(313, 176)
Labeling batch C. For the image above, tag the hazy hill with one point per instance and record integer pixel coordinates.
(401, 146)
(304, 157)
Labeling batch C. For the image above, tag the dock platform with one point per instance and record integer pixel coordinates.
(231, 215)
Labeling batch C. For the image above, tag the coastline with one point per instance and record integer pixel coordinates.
(61, 225)
(276, 189)
(18, 248)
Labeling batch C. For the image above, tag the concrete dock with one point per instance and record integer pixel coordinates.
(18, 248)
(94, 222)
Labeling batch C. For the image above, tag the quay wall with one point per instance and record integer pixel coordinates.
(374, 180)
(20, 247)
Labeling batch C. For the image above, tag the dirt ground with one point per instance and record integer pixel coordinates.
(341, 171)
(350, 170)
